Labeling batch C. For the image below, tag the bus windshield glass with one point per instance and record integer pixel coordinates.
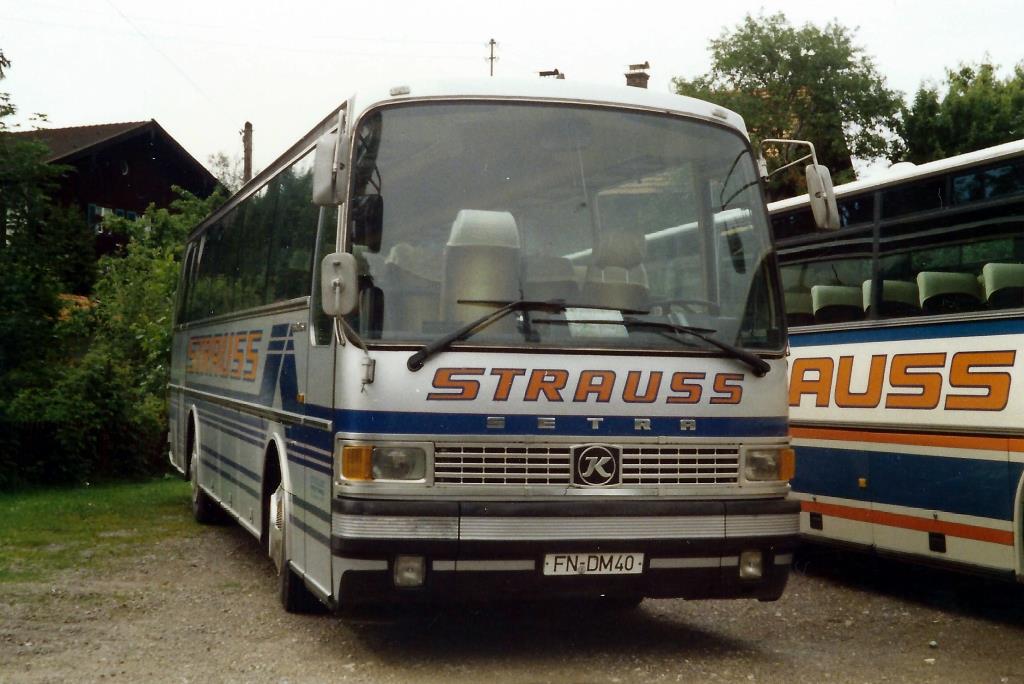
(459, 208)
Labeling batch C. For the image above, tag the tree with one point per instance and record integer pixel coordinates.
(805, 83)
(978, 110)
(98, 407)
(227, 170)
(81, 388)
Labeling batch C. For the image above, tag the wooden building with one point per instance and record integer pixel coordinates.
(120, 168)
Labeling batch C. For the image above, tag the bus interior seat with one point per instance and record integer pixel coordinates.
(481, 261)
(413, 287)
(1003, 285)
(899, 298)
(799, 309)
(836, 303)
(617, 277)
(550, 277)
(949, 292)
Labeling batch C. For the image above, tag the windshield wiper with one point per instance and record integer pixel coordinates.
(756, 363)
(417, 360)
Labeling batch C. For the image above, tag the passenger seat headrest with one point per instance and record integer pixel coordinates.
(477, 228)
(419, 261)
(620, 248)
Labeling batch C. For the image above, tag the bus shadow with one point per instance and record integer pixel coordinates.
(930, 587)
(538, 632)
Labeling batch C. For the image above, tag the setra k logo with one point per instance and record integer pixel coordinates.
(596, 465)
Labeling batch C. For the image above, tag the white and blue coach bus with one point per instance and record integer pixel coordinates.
(906, 394)
(494, 340)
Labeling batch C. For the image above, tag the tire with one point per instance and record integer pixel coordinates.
(295, 596)
(204, 509)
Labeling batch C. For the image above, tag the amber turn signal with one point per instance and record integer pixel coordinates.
(357, 462)
(787, 464)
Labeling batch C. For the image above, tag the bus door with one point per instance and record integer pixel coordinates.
(317, 442)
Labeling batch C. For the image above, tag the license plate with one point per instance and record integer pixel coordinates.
(593, 564)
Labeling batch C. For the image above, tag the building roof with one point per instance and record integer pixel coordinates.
(66, 144)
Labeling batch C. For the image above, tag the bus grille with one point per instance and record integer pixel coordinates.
(488, 464)
(680, 466)
(514, 465)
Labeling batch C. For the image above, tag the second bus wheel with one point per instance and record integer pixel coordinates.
(295, 596)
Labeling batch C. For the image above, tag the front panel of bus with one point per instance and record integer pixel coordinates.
(593, 437)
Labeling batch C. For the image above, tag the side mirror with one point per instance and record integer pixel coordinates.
(330, 173)
(339, 285)
(822, 197)
(367, 220)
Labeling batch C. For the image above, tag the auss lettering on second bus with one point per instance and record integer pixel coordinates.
(528, 340)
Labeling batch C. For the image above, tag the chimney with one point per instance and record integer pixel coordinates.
(637, 75)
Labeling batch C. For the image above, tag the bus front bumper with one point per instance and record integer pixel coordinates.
(490, 550)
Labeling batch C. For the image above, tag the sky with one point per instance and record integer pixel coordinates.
(202, 69)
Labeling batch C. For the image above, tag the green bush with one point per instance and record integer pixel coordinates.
(90, 401)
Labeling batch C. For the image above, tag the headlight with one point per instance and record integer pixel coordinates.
(769, 464)
(398, 462)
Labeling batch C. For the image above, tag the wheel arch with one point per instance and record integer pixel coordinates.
(192, 436)
(275, 471)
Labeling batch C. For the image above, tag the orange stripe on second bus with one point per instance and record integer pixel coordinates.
(915, 439)
(910, 522)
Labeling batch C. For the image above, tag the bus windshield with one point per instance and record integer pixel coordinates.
(614, 212)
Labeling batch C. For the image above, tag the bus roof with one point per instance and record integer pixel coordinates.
(547, 89)
(902, 173)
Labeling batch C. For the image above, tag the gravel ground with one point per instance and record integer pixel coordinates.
(205, 609)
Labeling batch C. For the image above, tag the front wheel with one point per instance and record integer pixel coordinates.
(295, 596)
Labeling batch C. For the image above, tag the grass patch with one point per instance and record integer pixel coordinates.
(46, 530)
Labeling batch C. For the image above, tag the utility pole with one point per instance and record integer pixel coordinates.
(492, 57)
(247, 152)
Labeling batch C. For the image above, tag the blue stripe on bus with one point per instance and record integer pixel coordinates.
(231, 431)
(308, 452)
(313, 534)
(982, 328)
(243, 422)
(308, 464)
(248, 420)
(231, 464)
(310, 508)
(408, 422)
(956, 485)
(280, 330)
(251, 435)
(233, 480)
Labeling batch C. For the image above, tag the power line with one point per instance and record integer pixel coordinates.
(262, 45)
(163, 54)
